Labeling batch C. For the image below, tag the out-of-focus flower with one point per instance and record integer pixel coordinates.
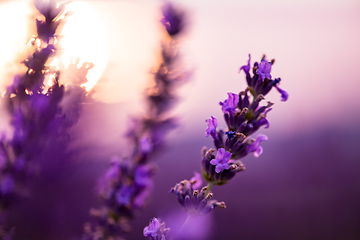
(51, 10)
(145, 145)
(143, 175)
(127, 194)
(173, 19)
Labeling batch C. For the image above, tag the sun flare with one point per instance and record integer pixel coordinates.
(84, 37)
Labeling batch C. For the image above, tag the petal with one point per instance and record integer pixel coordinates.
(284, 94)
(219, 167)
(214, 162)
(258, 151)
(227, 156)
(246, 68)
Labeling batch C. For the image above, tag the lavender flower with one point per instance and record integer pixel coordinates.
(156, 230)
(261, 82)
(221, 160)
(128, 184)
(243, 118)
(223, 174)
(228, 106)
(37, 117)
(173, 19)
(264, 69)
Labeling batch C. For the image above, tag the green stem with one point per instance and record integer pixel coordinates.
(209, 187)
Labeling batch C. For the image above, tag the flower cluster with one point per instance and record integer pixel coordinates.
(243, 115)
(128, 183)
(34, 110)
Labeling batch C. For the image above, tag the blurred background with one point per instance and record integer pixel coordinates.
(306, 185)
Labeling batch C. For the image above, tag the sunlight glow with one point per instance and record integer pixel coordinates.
(14, 33)
(84, 37)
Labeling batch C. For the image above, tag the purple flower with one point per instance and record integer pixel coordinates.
(261, 82)
(228, 106)
(151, 230)
(264, 69)
(173, 20)
(221, 160)
(212, 123)
(255, 146)
(196, 181)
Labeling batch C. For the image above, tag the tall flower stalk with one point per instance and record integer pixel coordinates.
(244, 116)
(33, 102)
(128, 182)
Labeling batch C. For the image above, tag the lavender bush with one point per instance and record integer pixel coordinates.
(128, 182)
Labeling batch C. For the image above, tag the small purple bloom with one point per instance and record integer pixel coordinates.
(228, 106)
(212, 123)
(246, 68)
(264, 69)
(151, 230)
(221, 160)
(197, 179)
(284, 94)
(255, 146)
